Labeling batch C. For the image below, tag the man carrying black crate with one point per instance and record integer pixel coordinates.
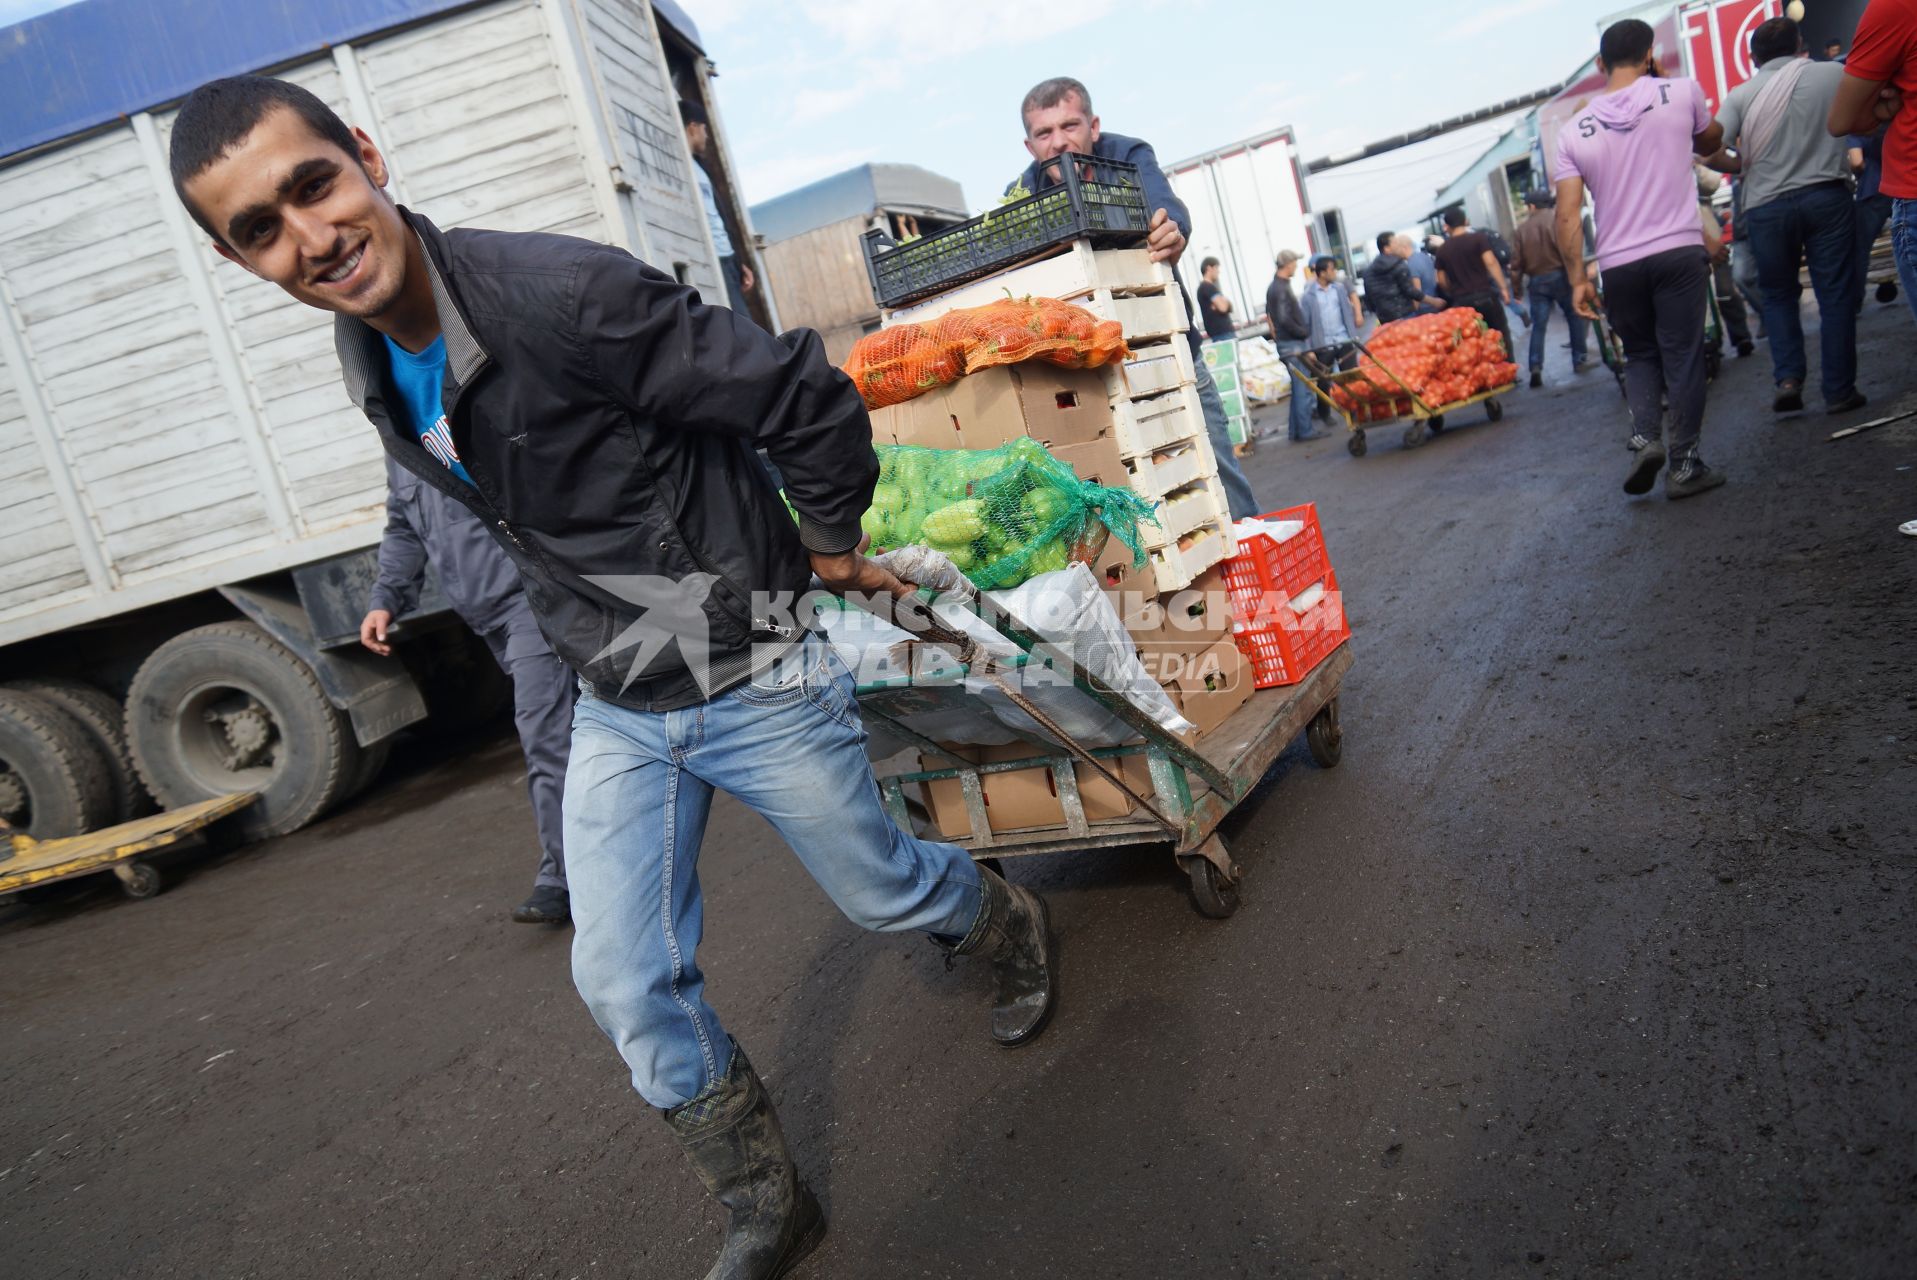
(602, 421)
(1058, 118)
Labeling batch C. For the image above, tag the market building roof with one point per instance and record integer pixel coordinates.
(897, 188)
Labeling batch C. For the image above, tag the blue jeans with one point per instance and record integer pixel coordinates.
(638, 789)
(1553, 289)
(1903, 246)
(1872, 213)
(1238, 495)
(1302, 397)
(1814, 223)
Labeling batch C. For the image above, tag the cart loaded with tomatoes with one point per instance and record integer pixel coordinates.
(1422, 369)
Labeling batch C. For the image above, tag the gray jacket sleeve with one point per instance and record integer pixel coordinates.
(402, 559)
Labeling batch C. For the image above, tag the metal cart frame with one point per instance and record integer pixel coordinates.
(1193, 786)
(1319, 368)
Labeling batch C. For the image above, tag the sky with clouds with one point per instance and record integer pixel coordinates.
(810, 87)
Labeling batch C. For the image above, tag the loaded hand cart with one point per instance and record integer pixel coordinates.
(1366, 392)
(1191, 787)
(121, 850)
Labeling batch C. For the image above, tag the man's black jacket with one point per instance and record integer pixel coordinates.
(609, 421)
(1282, 308)
(1391, 291)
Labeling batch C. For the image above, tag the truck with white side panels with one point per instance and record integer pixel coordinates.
(189, 503)
(1247, 202)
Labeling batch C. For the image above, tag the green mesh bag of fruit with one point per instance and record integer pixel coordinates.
(1001, 515)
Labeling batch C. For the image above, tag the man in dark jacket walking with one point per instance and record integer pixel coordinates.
(1058, 118)
(603, 422)
(1392, 292)
(1291, 334)
(425, 526)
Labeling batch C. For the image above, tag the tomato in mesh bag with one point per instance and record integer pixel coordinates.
(907, 360)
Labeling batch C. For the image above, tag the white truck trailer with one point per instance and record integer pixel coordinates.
(1247, 202)
(188, 501)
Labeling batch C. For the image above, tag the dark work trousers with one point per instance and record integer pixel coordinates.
(543, 692)
(1491, 308)
(1814, 225)
(1737, 321)
(1872, 213)
(1658, 307)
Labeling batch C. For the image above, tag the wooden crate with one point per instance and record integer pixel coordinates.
(1150, 423)
(1178, 563)
(1079, 272)
(1197, 505)
(1153, 475)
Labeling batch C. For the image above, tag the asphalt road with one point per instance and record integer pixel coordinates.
(1594, 957)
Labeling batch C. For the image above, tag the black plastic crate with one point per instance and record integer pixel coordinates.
(1098, 200)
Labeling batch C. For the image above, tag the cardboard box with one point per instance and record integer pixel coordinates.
(1028, 798)
(983, 410)
(1189, 620)
(1209, 686)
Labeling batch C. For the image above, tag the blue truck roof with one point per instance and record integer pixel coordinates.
(88, 64)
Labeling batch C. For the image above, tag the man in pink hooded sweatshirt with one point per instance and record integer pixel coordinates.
(1632, 148)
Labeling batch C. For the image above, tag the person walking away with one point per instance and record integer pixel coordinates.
(603, 423)
(1213, 305)
(1632, 149)
(1391, 290)
(1057, 117)
(1470, 275)
(1425, 267)
(1797, 207)
(1865, 155)
(425, 527)
(1538, 266)
(1291, 334)
(1737, 322)
(738, 275)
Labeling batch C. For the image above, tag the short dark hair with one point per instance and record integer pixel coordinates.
(1833, 44)
(692, 113)
(1207, 265)
(1455, 217)
(1049, 93)
(1322, 261)
(1625, 43)
(216, 116)
(1778, 38)
(1385, 238)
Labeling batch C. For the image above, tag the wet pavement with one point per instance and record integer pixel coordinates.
(1593, 957)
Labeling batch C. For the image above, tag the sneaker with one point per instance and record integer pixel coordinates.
(548, 905)
(1855, 400)
(1537, 378)
(1790, 397)
(1646, 461)
(1584, 366)
(1690, 478)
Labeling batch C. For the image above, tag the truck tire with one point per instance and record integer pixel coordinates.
(225, 708)
(104, 719)
(53, 781)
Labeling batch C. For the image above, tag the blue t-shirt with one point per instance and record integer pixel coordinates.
(418, 379)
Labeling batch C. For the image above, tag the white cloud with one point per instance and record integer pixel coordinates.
(906, 36)
(1484, 20)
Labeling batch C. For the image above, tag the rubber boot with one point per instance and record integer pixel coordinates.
(1014, 932)
(731, 1135)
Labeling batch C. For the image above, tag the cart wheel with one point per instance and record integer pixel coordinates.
(1493, 410)
(1213, 894)
(1413, 434)
(1356, 444)
(992, 865)
(1887, 291)
(137, 879)
(1326, 737)
(1436, 423)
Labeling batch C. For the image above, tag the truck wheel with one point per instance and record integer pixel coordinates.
(53, 782)
(227, 708)
(100, 714)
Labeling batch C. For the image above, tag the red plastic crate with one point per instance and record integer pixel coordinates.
(1263, 577)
